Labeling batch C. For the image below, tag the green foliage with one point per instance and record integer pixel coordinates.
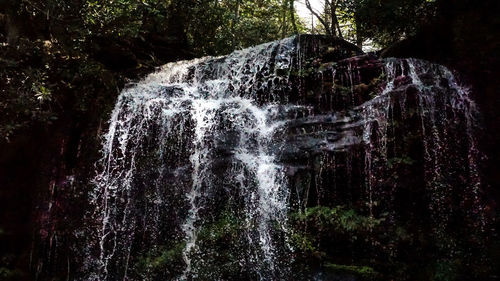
(161, 261)
(388, 21)
(363, 272)
(41, 80)
(384, 22)
(226, 227)
(338, 219)
(211, 27)
(395, 161)
(8, 271)
(321, 236)
(39, 87)
(220, 244)
(303, 242)
(52, 53)
(8, 274)
(106, 17)
(446, 270)
(218, 27)
(317, 228)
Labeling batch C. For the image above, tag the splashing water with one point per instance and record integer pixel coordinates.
(448, 117)
(189, 106)
(212, 134)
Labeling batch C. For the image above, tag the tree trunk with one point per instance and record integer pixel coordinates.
(359, 37)
(177, 19)
(333, 24)
(292, 16)
(283, 18)
(234, 23)
(321, 20)
(335, 21)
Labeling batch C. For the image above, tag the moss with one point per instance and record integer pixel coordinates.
(324, 234)
(7, 274)
(9, 269)
(338, 218)
(169, 256)
(220, 243)
(363, 272)
(162, 261)
(344, 91)
(305, 243)
(403, 160)
(227, 225)
(446, 270)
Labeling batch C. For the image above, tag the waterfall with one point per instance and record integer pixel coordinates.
(205, 109)
(215, 143)
(445, 109)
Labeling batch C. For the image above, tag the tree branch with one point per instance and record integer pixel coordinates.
(327, 28)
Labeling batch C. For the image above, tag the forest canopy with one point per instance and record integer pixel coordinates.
(52, 47)
(49, 46)
(207, 26)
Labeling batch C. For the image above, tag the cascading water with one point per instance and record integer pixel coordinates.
(202, 111)
(440, 114)
(223, 139)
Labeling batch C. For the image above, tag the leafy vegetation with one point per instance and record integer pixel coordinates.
(383, 22)
(322, 234)
(364, 272)
(49, 46)
(325, 238)
(338, 219)
(162, 262)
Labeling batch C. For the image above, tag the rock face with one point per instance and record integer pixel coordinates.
(212, 169)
